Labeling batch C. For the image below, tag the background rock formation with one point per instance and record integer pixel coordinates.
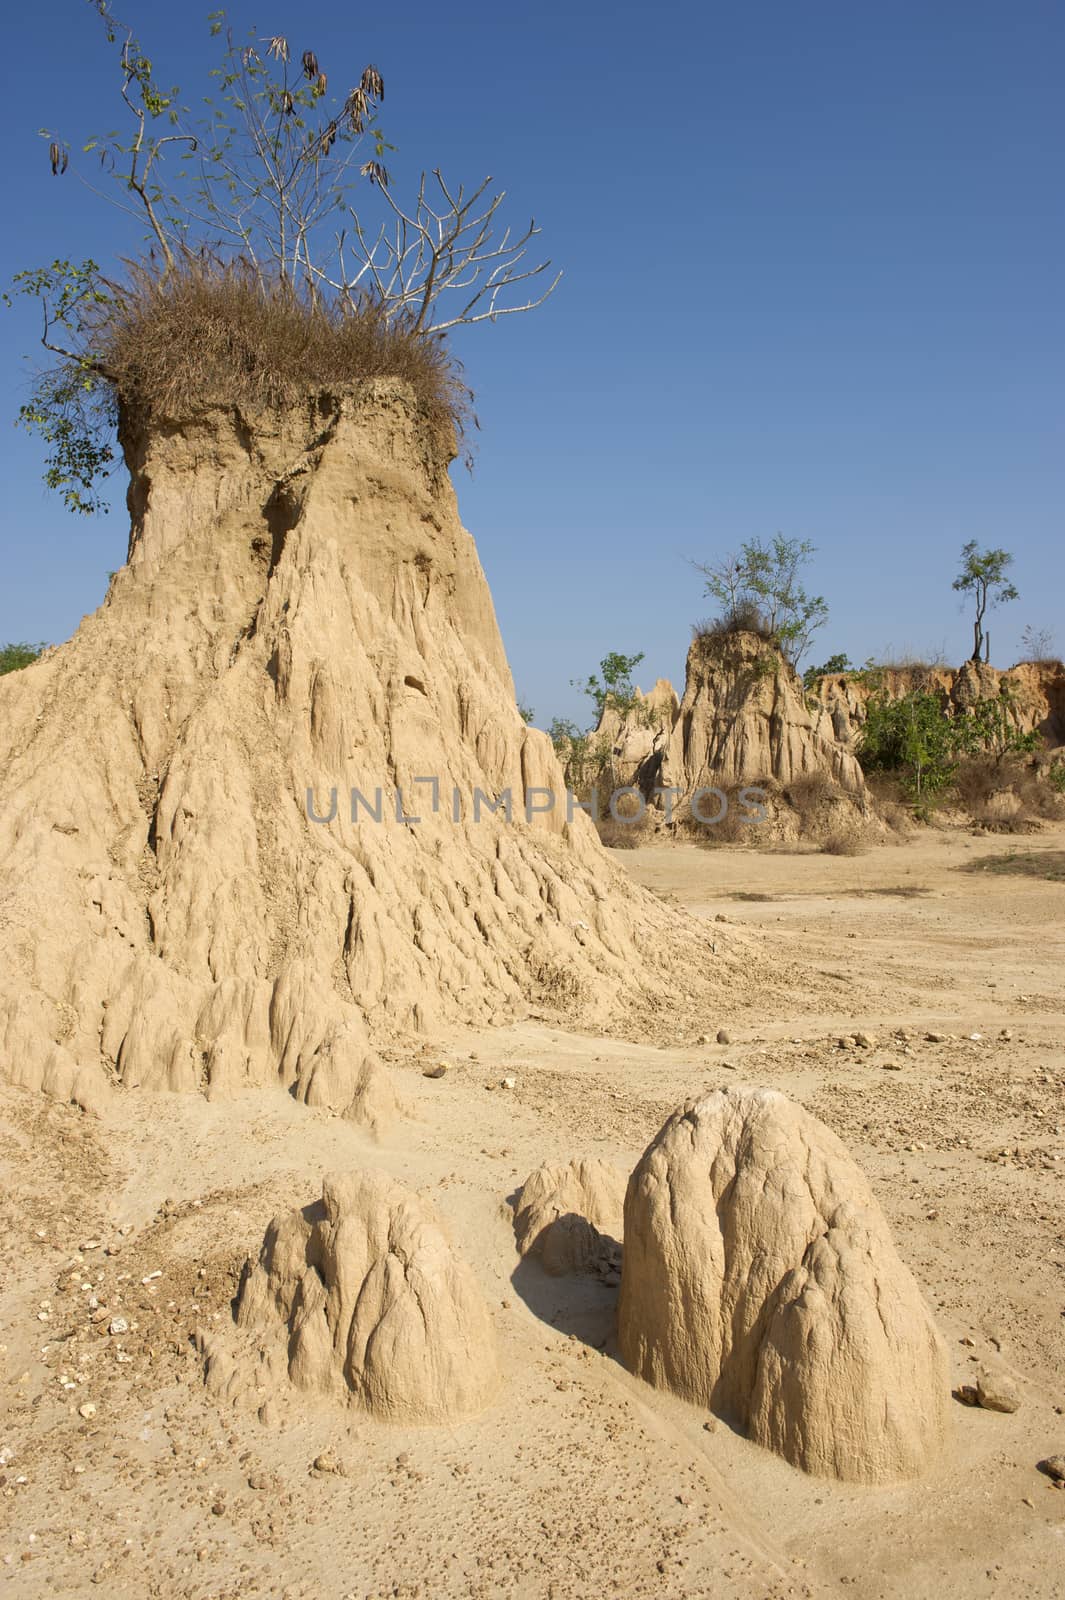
(371, 1304)
(760, 1280)
(301, 609)
(1036, 690)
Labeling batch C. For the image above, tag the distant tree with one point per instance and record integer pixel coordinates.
(763, 580)
(834, 664)
(983, 576)
(14, 656)
(615, 688)
(526, 713)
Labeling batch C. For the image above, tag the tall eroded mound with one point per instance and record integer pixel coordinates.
(302, 613)
(372, 1305)
(760, 1280)
(744, 718)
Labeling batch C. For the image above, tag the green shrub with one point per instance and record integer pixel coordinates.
(14, 656)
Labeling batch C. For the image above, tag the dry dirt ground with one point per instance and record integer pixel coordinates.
(120, 1474)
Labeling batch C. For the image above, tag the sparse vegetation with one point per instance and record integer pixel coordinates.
(1049, 864)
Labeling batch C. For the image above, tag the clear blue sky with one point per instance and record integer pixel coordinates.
(813, 259)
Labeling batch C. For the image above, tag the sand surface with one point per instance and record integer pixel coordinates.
(120, 1474)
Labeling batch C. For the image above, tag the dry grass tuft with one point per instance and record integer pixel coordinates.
(843, 844)
(210, 332)
(745, 617)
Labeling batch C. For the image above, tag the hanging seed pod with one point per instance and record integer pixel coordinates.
(288, 105)
(278, 47)
(372, 83)
(356, 108)
(54, 154)
(310, 64)
(322, 80)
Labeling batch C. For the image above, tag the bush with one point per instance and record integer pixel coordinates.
(913, 737)
(15, 656)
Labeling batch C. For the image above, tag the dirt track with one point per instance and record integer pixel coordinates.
(580, 1482)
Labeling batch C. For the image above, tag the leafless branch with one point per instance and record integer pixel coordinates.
(429, 252)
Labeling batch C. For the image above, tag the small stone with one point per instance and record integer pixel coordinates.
(434, 1072)
(891, 1066)
(328, 1464)
(76, 1539)
(996, 1393)
(508, 1083)
(865, 1041)
(704, 1038)
(118, 1325)
(976, 1037)
(723, 1036)
(1054, 1467)
(936, 1038)
(88, 1410)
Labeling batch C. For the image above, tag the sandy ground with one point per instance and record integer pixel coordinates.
(120, 1474)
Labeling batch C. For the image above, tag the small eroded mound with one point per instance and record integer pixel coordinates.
(760, 1280)
(571, 1217)
(371, 1305)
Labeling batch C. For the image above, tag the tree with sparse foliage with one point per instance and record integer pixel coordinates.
(760, 586)
(983, 577)
(258, 181)
(615, 689)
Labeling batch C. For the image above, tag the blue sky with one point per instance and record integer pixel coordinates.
(812, 256)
